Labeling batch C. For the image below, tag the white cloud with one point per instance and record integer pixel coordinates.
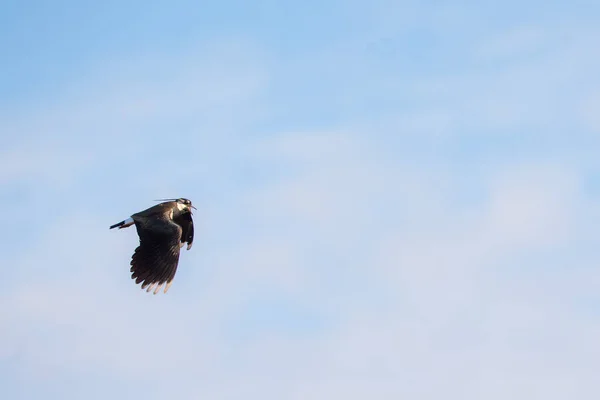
(533, 205)
(126, 110)
(521, 42)
(429, 306)
(422, 295)
(588, 112)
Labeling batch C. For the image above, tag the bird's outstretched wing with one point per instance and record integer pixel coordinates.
(154, 261)
(187, 228)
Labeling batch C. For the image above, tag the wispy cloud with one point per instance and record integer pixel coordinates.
(368, 225)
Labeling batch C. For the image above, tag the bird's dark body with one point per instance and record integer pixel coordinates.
(163, 229)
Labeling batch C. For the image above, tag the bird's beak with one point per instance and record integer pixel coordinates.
(193, 207)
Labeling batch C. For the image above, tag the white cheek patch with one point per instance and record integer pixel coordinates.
(181, 207)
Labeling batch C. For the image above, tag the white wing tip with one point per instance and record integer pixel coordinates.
(155, 287)
(158, 286)
(152, 286)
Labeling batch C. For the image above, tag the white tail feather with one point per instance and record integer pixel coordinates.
(128, 222)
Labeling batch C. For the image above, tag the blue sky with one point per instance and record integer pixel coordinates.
(395, 199)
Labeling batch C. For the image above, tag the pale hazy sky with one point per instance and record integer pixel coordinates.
(397, 200)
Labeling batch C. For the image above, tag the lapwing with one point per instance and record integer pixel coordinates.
(163, 229)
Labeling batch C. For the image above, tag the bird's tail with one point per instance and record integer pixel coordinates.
(123, 224)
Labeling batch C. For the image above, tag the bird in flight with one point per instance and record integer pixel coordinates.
(163, 229)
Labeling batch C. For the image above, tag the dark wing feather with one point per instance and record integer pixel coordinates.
(155, 260)
(187, 228)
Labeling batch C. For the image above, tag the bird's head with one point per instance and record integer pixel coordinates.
(183, 204)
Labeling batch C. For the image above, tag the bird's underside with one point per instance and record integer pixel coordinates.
(163, 230)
